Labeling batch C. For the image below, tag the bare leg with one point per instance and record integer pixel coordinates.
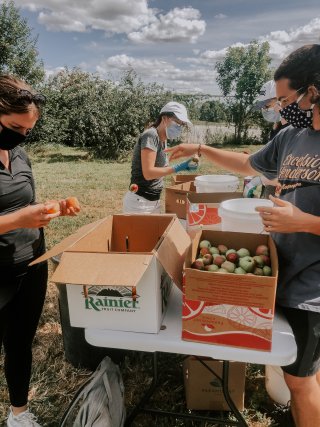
(305, 398)
(16, 410)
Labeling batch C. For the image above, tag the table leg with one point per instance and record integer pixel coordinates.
(224, 380)
(139, 407)
(218, 421)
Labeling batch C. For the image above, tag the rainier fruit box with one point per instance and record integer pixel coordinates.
(225, 308)
(204, 391)
(202, 210)
(119, 271)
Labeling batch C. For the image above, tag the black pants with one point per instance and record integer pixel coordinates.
(19, 319)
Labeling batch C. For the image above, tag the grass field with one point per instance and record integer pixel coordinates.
(61, 172)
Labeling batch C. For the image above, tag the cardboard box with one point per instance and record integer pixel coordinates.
(180, 178)
(204, 391)
(229, 309)
(119, 271)
(202, 210)
(176, 198)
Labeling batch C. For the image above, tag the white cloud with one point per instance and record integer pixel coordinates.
(281, 43)
(134, 17)
(116, 16)
(165, 72)
(284, 42)
(220, 16)
(178, 25)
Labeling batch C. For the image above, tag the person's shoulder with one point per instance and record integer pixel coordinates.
(149, 135)
(19, 152)
(150, 132)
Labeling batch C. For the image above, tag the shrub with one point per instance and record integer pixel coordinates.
(84, 110)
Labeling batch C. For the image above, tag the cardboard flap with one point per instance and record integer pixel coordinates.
(172, 251)
(68, 242)
(101, 268)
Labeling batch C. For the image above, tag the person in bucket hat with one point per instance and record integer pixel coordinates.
(149, 162)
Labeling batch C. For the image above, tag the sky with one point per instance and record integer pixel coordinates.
(173, 43)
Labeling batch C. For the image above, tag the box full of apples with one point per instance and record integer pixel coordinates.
(217, 257)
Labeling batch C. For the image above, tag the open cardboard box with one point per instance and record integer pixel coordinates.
(176, 198)
(180, 178)
(229, 309)
(119, 270)
(204, 391)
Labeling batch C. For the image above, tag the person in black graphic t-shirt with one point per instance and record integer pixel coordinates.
(22, 288)
(293, 157)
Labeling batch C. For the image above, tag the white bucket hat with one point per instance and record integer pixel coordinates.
(266, 94)
(179, 111)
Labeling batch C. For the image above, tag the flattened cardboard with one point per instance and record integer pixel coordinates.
(203, 390)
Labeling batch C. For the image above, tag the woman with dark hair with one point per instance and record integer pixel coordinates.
(293, 156)
(149, 161)
(22, 288)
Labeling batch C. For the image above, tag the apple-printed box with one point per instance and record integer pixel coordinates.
(226, 308)
(202, 210)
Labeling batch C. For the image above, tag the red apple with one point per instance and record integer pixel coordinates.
(218, 260)
(222, 249)
(134, 188)
(198, 264)
(232, 257)
(207, 259)
(204, 251)
(262, 250)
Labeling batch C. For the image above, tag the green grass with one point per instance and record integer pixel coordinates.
(61, 172)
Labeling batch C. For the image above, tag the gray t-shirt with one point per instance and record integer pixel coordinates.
(149, 189)
(16, 192)
(293, 156)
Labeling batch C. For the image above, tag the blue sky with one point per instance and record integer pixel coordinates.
(174, 43)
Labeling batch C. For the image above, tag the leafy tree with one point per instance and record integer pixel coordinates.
(18, 52)
(84, 110)
(240, 76)
(213, 111)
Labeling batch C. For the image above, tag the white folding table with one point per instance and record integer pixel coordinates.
(168, 340)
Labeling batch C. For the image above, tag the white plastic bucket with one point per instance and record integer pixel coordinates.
(275, 385)
(240, 215)
(216, 183)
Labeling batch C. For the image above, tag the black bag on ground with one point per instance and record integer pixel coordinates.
(99, 402)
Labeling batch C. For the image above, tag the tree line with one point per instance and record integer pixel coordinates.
(105, 117)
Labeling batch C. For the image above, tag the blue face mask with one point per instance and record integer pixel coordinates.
(270, 115)
(173, 131)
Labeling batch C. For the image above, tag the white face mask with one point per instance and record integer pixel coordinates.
(270, 115)
(173, 131)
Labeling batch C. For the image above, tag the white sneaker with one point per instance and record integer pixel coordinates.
(25, 419)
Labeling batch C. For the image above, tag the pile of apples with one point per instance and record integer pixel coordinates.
(220, 259)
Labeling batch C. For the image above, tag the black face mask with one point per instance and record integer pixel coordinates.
(9, 139)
